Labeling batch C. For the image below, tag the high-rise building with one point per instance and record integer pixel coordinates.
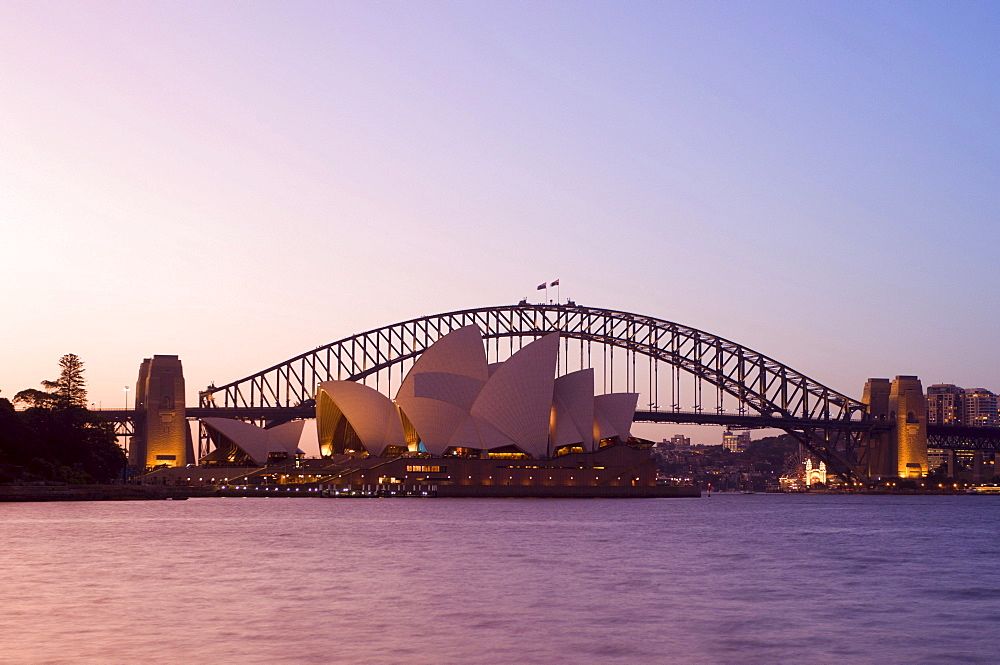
(945, 404)
(736, 442)
(948, 404)
(980, 409)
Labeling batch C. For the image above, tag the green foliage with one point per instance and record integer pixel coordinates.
(70, 388)
(56, 438)
(759, 466)
(32, 397)
(772, 450)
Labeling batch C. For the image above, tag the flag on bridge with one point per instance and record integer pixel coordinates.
(555, 283)
(541, 286)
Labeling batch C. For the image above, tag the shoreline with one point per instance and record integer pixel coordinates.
(23, 493)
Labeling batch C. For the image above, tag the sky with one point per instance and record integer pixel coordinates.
(237, 183)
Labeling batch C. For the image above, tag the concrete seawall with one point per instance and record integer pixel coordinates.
(462, 491)
(99, 492)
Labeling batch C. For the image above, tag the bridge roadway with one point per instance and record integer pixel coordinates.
(737, 421)
(939, 436)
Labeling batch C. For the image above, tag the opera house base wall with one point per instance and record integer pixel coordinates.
(460, 492)
(614, 471)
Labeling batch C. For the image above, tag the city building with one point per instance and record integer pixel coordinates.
(948, 404)
(736, 442)
(680, 441)
(980, 408)
(945, 404)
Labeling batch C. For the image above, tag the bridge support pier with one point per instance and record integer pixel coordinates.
(900, 452)
(162, 437)
(978, 466)
(907, 405)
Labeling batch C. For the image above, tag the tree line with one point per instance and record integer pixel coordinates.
(53, 437)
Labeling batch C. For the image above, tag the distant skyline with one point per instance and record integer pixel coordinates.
(237, 184)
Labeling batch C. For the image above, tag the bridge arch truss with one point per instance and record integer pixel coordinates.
(665, 361)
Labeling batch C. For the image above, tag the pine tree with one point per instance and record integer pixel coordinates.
(70, 388)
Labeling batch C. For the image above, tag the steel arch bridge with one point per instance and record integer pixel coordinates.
(711, 371)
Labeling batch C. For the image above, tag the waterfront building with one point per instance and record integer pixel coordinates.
(814, 474)
(453, 403)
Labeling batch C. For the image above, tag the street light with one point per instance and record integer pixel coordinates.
(126, 397)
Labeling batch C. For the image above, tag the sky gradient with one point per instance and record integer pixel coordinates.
(238, 183)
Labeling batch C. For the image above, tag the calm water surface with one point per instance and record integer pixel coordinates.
(741, 579)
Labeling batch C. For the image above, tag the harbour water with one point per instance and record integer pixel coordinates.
(731, 579)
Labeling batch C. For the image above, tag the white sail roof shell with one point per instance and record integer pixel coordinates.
(459, 352)
(258, 442)
(573, 410)
(371, 414)
(434, 420)
(517, 398)
(477, 433)
(613, 414)
(442, 385)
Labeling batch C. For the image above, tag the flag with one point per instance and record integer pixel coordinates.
(555, 283)
(540, 286)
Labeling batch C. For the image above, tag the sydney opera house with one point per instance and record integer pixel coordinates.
(453, 403)
(459, 426)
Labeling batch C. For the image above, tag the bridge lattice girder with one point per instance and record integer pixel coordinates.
(760, 384)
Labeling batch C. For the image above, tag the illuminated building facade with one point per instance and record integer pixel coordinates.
(736, 442)
(980, 408)
(948, 404)
(813, 475)
(945, 404)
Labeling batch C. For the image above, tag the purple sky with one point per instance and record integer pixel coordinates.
(237, 183)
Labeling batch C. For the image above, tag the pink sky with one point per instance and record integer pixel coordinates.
(239, 183)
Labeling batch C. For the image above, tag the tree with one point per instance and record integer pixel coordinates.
(56, 437)
(70, 388)
(34, 398)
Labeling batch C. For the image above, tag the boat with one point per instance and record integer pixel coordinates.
(992, 488)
